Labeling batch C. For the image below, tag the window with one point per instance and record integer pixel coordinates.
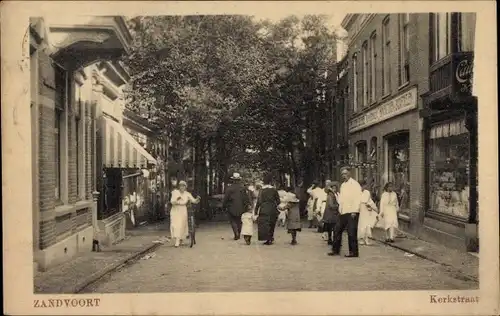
(448, 168)
(466, 31)
(361, 155)
(373, 64)
(365, 73)
(404, 65)
(57, 152)
(386, 58)
(355, 84)
(61, 80)
(441, 25)
(398, 147)
(79, 141)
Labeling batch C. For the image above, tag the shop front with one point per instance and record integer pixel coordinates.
(124, 182)
(451, 141)
(386, 146)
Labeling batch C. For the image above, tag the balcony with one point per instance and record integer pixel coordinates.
(450, 81)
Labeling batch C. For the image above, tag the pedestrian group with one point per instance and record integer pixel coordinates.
(333, 209)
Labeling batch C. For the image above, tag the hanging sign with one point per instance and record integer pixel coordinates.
(398, 105)
(462, 76)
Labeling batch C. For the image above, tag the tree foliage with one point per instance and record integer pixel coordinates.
(244, 83)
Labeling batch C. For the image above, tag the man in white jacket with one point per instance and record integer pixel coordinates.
(349, 200)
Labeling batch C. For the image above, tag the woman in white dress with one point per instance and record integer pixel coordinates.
(179, 214)
(389, 208)
(367, 215)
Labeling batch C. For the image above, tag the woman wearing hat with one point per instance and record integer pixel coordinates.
(179, 214)
(293, 223)
(267, 211)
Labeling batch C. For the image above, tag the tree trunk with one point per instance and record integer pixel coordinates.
(210, 168)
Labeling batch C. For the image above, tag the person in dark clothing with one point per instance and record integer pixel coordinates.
(236, 202)
(331, 214)
(267, 211)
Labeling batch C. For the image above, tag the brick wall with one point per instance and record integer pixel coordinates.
(46, 149)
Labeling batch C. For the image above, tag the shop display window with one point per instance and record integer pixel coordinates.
(448, 169)
(361, 155)
(399, 168)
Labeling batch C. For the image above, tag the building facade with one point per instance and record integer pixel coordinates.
(76, 105)
(450, 120)
(392, 127)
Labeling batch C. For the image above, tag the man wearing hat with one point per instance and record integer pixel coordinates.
(236, 202)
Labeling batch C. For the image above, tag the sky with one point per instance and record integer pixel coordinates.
(334, 19)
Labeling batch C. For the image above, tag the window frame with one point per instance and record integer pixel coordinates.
(355, 83)
(404, 48)
(80, 139)
(373, 67)
(436, 36)
(364, 57)
(386, 59)
(61, 136)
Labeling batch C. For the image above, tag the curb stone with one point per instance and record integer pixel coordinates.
(416, 253)
(99, 274)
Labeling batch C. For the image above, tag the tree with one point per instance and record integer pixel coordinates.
(229, 84)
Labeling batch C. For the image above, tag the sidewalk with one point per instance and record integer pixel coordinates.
(462, 262)
(73, 276)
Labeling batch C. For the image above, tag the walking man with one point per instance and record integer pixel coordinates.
(349, 202)
(236, 202)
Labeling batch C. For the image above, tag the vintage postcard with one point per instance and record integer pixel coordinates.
(250, 158)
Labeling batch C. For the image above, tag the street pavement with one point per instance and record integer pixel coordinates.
(218, 264)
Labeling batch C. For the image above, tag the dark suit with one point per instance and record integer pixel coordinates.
(236, 202)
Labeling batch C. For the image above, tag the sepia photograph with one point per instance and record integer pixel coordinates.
(325, 152)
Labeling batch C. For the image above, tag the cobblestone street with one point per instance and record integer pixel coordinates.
(217, 264)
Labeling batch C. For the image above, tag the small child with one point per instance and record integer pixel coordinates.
(283, 209)
(247, 220)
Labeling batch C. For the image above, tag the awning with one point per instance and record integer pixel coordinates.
(120, 149)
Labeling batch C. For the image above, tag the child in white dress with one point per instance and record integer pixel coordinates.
(247, 220)
(389, 208)
(367, 215)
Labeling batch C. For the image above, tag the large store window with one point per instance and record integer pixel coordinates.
(448, 168)
(398, 167)
(361, 155)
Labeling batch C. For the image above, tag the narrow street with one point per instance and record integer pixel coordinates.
(217, 263)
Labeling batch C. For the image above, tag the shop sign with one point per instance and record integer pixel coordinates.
(398, 105)
(463, 71)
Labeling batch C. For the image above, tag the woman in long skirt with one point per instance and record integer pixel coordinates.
(267, 211)
(179, 213)
(389, 208)
(367, 215)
